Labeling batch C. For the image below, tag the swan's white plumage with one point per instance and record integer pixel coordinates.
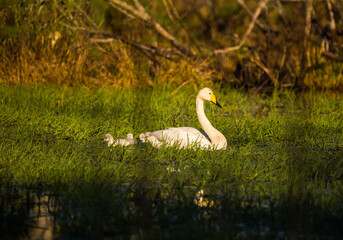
(187, 137)
(184, 136)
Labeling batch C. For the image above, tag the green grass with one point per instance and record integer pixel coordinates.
(281, 176)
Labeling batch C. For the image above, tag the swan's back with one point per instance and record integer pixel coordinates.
(184, 136)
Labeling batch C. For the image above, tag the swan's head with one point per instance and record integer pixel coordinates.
(207, 94)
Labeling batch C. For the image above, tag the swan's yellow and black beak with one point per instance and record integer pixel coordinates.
(214, 100)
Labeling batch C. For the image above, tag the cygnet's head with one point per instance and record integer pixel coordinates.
(129, 136)
(108, 138)
(207, 94)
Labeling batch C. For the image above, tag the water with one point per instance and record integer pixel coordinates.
(27, 215)
(40, 219)
(145, 211)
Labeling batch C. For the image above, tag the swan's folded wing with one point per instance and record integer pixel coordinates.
(183, 135)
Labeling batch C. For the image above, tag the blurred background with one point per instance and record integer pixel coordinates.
(260, 45)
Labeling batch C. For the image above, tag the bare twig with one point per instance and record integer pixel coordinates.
(125, 12)
(86, 16)
(168, 10)
(139, 6)
(170, 6)
(111, 38)
(307, 30)
(140, 13)
(102, 40)
(330, 15)
(251, 26)
(261, 65)
(332, 56)
(332, 23)
(176, 14)
(245, 7)
(283, 58)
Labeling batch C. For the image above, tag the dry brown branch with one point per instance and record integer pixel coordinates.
(86, 16)
(139, 6)
(245, 7)
(246, 34)
(168, 10)
(261, 65)
(110, 38)
(103, 40)
(332, 23)
(308, 11)
(332, 56)
(308, 20)
(123, 6)
(176, 14)
(105, 37)
(140, 13)
(126, 13)
(283, 58)
(170, 6)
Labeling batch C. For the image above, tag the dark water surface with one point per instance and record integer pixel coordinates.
(151, 212)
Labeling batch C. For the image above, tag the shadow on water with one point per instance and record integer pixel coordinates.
(139, 210)
(41, 221)
(26, 214)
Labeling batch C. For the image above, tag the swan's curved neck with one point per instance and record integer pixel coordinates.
(215, 136)
(204, 122)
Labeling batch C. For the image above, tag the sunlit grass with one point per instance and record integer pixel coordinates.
(280, 177)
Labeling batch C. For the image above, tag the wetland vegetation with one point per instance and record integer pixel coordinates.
(72, 71)
(281, 176)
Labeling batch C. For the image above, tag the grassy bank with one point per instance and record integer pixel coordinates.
(280, 178)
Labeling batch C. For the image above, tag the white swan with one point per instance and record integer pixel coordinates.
(187, 137)
(120, 141)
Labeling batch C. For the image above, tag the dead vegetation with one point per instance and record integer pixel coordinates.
(259, 45)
